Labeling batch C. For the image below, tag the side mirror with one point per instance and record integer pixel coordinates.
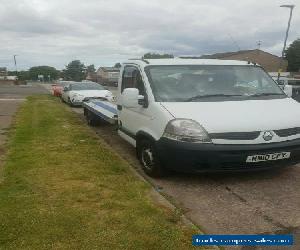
(66, 89)
(288, 90)
(131, 98)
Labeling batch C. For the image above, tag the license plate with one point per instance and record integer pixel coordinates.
(269, 157)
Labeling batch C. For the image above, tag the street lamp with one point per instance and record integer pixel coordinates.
(291, 7)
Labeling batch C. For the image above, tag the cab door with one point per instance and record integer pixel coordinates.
(131, 120)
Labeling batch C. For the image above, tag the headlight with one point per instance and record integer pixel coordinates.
(110, 97)
(78, 97)
(186, 130)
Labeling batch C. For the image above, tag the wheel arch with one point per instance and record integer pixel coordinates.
(140, 135)
(160, 168)
(144, 135)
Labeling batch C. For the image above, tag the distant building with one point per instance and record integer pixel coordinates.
(5, 78)
(3, 73)
(91, 76)
(268, 61)
(11, 78)
(108, 75)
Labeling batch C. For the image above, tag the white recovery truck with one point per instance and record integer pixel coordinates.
(195, 115)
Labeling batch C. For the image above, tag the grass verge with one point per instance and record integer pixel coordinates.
(62, 188)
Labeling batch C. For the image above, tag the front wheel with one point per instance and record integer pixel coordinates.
(70, 102)
(148, 157)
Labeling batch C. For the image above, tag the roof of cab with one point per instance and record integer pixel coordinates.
(179, 61)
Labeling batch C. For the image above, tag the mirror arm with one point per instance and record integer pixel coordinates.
(144, 101)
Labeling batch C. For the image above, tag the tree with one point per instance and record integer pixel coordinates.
(22, 75)
(292, 54)
(75, 71)
(156, 56)
(91, 68)
(46, 71)
(118, 65)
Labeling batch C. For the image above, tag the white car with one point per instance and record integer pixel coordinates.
(204, 115)
(76, 93)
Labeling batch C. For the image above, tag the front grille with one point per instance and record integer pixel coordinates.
(287, 132)
(235, 135)
(253, 135)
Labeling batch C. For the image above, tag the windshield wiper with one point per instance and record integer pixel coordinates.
(264, 94)
(205, 96)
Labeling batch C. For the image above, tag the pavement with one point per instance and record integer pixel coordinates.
(11, 96)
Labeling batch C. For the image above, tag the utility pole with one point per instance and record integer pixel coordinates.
(15, 60)
(258, 45)
(291, 7)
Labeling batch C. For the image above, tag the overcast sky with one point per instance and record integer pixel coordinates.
(102, 32)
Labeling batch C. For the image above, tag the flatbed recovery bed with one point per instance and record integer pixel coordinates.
(96, 109)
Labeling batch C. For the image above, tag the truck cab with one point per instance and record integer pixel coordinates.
(199, 115)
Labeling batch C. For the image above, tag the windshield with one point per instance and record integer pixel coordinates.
(86, 86)
(63, 83)
(199, 82)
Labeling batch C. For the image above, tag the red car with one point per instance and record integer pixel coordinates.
(58, 87)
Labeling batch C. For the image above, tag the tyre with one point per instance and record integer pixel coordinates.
(148, 157)
(69, 102)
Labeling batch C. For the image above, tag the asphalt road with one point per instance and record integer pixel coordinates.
(11, 96)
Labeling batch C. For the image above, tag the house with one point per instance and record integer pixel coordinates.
(11, 78)
(91, 76)
(5, 78)
(108, 75)
(268, 61)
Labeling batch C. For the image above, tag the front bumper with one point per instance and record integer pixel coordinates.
(192, 157)
(76, 103)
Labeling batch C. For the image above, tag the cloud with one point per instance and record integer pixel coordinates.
(103, 32)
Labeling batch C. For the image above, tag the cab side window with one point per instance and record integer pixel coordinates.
(132, 79)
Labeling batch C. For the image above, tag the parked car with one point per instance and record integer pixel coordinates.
(77, 92)
(203, 116)
(291, 86)
(295, 83)
(58, 87)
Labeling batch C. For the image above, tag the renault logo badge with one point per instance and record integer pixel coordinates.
(268, 135)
